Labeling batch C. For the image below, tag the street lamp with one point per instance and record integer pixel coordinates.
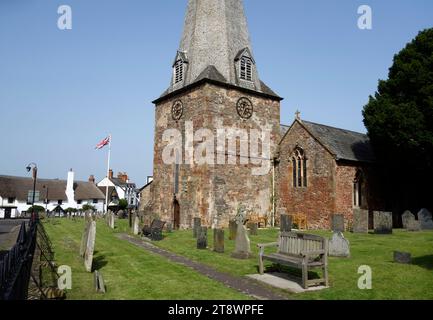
(35, 176)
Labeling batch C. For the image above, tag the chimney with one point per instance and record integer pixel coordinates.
(92, 179)
(70, 193)
(110, 174)
(123, 176)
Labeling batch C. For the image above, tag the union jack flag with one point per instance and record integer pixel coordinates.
(103, 143)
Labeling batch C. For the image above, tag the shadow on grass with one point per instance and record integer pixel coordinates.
(99, 262)
(424, 262)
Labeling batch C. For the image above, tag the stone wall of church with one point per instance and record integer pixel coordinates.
(212, 192)
(317, 200)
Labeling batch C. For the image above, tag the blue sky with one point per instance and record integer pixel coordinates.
(61, 92)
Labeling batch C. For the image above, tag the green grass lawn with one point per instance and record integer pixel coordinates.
(390, 280)
(130, 273)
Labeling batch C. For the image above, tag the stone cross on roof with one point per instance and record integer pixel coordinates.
(298, 115)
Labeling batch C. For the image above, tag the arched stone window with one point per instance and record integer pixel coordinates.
(357, 189)
(299, 167)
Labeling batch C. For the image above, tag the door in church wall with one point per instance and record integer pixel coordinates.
(176, 215)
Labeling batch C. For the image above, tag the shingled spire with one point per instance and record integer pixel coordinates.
(216, 46)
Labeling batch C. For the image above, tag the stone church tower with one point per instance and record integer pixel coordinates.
(215, 85)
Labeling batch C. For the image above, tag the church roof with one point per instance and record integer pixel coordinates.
(343, 144)
(18, 188)
(214, 38)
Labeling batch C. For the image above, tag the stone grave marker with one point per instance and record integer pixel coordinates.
(382, 222)
(202, 238)
(111, 221)
(218, 240)
(402, 257)
(254, 228)
(243, 244)
(360, 220)
(407, 217)
(414, 226)
(196, 227)
(136, 229)
(233, 227)
(99, 282)
(339, 246)
(84, 238)
(425, 219)
(337, 223)
(88, 256)
(285, 223)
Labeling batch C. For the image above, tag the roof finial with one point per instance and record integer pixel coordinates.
(298, 115)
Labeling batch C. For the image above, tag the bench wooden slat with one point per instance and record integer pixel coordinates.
(300, 250)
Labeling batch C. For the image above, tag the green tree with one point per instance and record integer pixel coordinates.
(88, 207)
(38, 209)
(399, 119)
(123, 204)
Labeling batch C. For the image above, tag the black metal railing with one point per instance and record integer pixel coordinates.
(16, 265)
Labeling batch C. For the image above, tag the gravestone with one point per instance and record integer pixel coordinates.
(360, 220)
(84, 238)
(99, 282)
(169, 227)
(111, 221)
(337, 223)
(414, 226)
(339, 246)
(196, 227)
(425, 219)
(233, 227)
(285, 223)
(402, 257)
(88, 256)
(382, 222)
(218, 240)
(254, 228)
(202, 238)
(136, 229)
(407, 217)
(242, 245)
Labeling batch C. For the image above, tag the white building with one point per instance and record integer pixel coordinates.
(120, 188)
(53, 194)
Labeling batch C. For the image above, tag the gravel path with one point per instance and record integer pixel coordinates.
(246, 286)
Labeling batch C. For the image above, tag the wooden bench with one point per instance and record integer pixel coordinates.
(299, 250)
(154, 232)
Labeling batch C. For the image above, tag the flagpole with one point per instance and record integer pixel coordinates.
(108, 175)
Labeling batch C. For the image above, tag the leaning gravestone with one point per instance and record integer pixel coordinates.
(382, 222)
(136, 228)
(285, 223)
(254, 228)
(88, 256)
(233, 227)
(407, 217)
(196, 227)
(242, 245)
(339, 246)
(337, 223)
(360, 221)
(218, 240)
(425, 219)
(202, 238)
(84, 238)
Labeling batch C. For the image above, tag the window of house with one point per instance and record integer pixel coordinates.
(299, 168)
(95, 201)
(357, 190)
(79, 201)
(60, 202)
(11, 200)
(246, 69)
(178, 71)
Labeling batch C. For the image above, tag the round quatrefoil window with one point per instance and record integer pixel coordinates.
(245, 108)
(177, 110)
